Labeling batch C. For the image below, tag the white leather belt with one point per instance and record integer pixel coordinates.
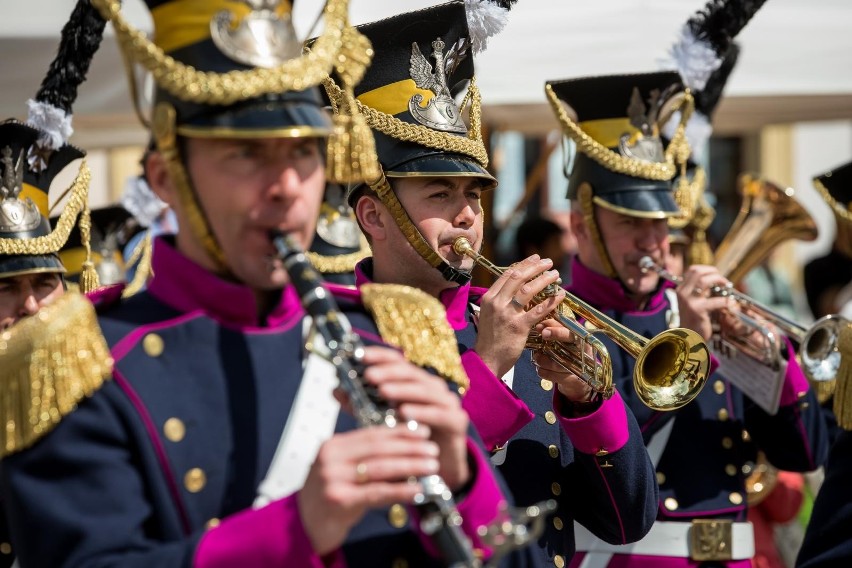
(702, 539)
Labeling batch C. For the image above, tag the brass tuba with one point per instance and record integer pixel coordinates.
(671, 368)
(768, 216)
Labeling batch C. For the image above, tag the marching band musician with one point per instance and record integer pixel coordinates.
(551, 437)
(621, 196)
(827, 540)
(217, 442)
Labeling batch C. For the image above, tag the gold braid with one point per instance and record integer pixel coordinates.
(613, 161)
(53, 242)
(339, 263)
(471, 145)
(839, 209)
(189, 84)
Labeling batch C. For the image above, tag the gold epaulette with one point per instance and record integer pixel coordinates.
(49, 362)
(416, 322)
(843, 389)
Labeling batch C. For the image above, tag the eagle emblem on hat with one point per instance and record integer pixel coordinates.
(441, 112)
(15, 214)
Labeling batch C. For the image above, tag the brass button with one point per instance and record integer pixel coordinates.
(723, 414)
(5, 548)
(746, 436)
(557, 523)
(661, 478)
(719, 387)
(399, 563)
(212, 523)
(558, 561)
(174, 429)
(546, 385)
(550, 417)
(397, 516)
(731, 469)
(195, 480)
(735, 498)
(553, 451)
(555, 488)
(153, 345)
(670, 503)
(727, 443)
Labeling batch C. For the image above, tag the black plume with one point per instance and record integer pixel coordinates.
(507, 4)
(721, 20)
(81, 38)
(707, 99)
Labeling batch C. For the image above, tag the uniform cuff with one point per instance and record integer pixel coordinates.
(603, 429)
(495, 410)
(268, 537)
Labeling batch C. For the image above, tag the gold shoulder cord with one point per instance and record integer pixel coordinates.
(618, 163)
(416, 322)
(51, 361)
(141, 257)
(191, 85)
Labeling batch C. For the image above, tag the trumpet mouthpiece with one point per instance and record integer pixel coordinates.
(646, 264)
(461, 245)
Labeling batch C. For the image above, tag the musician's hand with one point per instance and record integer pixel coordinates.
(572, 387)
(358, 470)
(504, 321)
(426, 399)
(695, 304)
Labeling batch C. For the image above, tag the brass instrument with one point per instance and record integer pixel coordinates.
(768, 215)
(820, 351)
(670, 369)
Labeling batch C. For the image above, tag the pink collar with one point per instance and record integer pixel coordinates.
(185, 286)
(608, 293)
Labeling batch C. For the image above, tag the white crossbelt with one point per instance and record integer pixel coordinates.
(666, 538)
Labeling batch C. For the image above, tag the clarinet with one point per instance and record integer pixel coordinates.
(439, 517)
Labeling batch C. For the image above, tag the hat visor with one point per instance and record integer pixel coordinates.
(261, 119)
(442, 165)
(648, 204)
(18, 265)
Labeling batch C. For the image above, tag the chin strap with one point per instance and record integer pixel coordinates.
(587, 206)
(383, 189)
(165, 135)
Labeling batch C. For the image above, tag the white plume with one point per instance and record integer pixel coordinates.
(54, 124)
(484, 20)
(698, 131)
(693, 58)
(141, 202)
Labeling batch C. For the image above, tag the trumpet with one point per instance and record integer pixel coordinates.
(820, 350)
(671, 368)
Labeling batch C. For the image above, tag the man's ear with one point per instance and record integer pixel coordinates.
(578, 226)
(157, 174)
(372, 217)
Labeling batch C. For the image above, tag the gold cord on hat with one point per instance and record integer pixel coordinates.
(206, 87)
(53, 242)
(351, 147)
(613, 161)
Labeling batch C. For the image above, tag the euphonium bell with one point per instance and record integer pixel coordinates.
(670, 369)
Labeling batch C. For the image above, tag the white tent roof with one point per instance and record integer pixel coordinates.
(790, 48)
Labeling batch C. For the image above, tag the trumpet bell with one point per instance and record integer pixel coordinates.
(820, 352)
(671, 369)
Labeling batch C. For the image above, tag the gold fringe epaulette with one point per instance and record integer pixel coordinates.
(416, 322)
(843, 389)
(50, 361)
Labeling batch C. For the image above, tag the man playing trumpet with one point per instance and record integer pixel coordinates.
(551, 437)
(620, 192)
